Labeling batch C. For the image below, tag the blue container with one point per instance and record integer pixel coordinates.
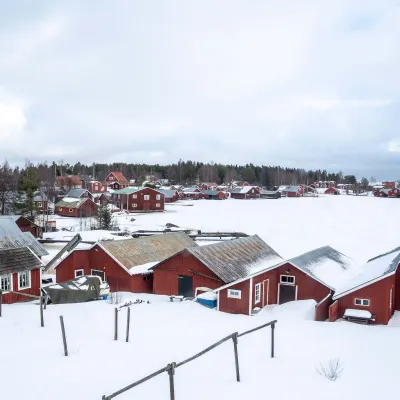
(105, 297)
(208, 303)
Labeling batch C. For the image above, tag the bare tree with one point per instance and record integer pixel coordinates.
(6, 186)
(332, 369)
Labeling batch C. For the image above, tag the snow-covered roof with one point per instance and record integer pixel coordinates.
(292, 188)
(326, 265)
(143, 269)
(374, 270)
(242, 189)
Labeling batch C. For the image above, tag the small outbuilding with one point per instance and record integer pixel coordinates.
(245, 192)
(270, 194)
(76, 207)
(332, 190)
(170, 196)
(213, 194)
(293, 191)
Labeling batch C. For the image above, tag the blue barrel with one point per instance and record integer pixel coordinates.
(207, 303)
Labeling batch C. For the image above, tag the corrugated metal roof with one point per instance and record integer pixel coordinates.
(292, 188)
(242, 189)
(72, 204)
(132, 252)
(236, 259)
(12, 237)
(17, 260)
(76, 193)
(168, 193)
(210, 192)
(128, 190)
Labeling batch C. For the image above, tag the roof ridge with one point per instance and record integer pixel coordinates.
(383, 254)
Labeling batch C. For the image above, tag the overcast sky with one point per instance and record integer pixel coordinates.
(297, 83)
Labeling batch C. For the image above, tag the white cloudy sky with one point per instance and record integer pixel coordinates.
(306, 83)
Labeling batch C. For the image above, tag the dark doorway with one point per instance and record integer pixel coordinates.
(96, 272)
(287, 293)
(185, 286)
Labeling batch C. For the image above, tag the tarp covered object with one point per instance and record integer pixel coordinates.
(77, 290)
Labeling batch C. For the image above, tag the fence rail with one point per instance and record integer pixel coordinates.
(171, 368)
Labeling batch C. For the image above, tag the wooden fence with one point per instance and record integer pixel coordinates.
(171, 368)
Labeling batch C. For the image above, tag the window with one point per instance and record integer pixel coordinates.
(361, 302)
(257, 293)
(96, 272)
(146, 197)
(6, 282)
(234, 294)
(158, 197)
(146, 277)
(134, 196)
(79, 272)
(70, 210)
(24, 280)
(288, 279)
(134, 205)
(158, 205)
(39, 204)
(60, 209)
(111, 178)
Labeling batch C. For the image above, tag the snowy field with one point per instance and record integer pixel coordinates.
(358, 226)
(163, 332)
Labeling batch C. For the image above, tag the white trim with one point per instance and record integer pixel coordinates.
(295, 298)
(263, 293)
(257, 285)
(83, 272)
(237, 295)
(29, 277)
(251, 296)
(362, 301)
(363, 285)
(287, 283)
(324, 299)
(279, 291)
(11, 282)
(218, 301)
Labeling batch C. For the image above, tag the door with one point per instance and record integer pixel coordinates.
(185, 286)
(286, 293)
(146, 206)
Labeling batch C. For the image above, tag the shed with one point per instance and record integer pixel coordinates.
(213, 194)
(270, 194)
(125, 264)
(79, 194)
(212, 266)
(76, 207)
(25, 225)
(332, 190)
(293, 191)
(245, 192)
(170, 196)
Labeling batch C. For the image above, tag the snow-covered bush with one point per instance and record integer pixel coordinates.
(332, 369)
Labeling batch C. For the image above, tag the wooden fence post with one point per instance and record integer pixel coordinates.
(41, 312)
(235, 344)
(63, 336)
(272, 340)
(171, 373)
(1, 302)
(128, 321)
(116, 324)
(45, 301)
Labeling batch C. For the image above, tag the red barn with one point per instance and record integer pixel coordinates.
(376, 289)
(308, 276)
(245, 192)
(73, 207)
(124, 264)
(20, 271)
(293, 191)
(139, 199)
(211, 266)
(116, 181)
(332, 190)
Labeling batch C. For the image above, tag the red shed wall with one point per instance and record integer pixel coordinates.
(9, 298)
(144, 205)
(78, 259)
(165, 275)
(333, 311)
(235, 306)
(322, 309)
(377, 293)
(397, 297)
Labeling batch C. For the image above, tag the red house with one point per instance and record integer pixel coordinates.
(208, 186)
(75, 207)
(192, 193)
(170, 196)
(116, 181)
(139, 199)
(213, 195)
(20, 271)
(332, 190)
(293, 191)
(245, 192)
(124, 264)
(375, 290)
(211, 266)
(309, 276)
(92, 185)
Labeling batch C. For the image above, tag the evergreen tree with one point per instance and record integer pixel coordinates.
(6, 187)
(27, 185)
(104, 217)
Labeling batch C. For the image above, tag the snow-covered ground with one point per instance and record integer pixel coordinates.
(358, 226)
(34, 367)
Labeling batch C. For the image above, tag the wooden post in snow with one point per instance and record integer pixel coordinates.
(116, 324)
(64, 336)
(171, 373)
(235, 349)
(41, 312)
(272, 340)
(128, 321)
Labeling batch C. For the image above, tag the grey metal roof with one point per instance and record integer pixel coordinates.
(11, 237)
(17, 259)
(190, 189)
(168, 193)
(72, 204)
(324, 263)
(133, 252)
(210, 192)
(236, 259)
(76, 193)
(291, 188)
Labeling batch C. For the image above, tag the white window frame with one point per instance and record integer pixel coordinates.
(60, 209)
(158, 205)
(29, 279)
(234, 294)
(79, 270)
(361, 301)
(134, 196)
(98, 270)
(288, 283)
(134, 205)
(158, 197)
(70, 210)
(257, 293)
(146, 197)
(11, 282)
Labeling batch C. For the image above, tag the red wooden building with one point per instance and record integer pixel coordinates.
(192, 193)
(75, 207)
(376, 289)
(116, 181)
(213, 195)
(139, 199)
(79, 194)
(293, 191)
(245, 192)
(208, 186)
(25, 225)
(20, 271)
(170, 196)
(308, 276)
(124, 264)
(332, 190)
(212, 266)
